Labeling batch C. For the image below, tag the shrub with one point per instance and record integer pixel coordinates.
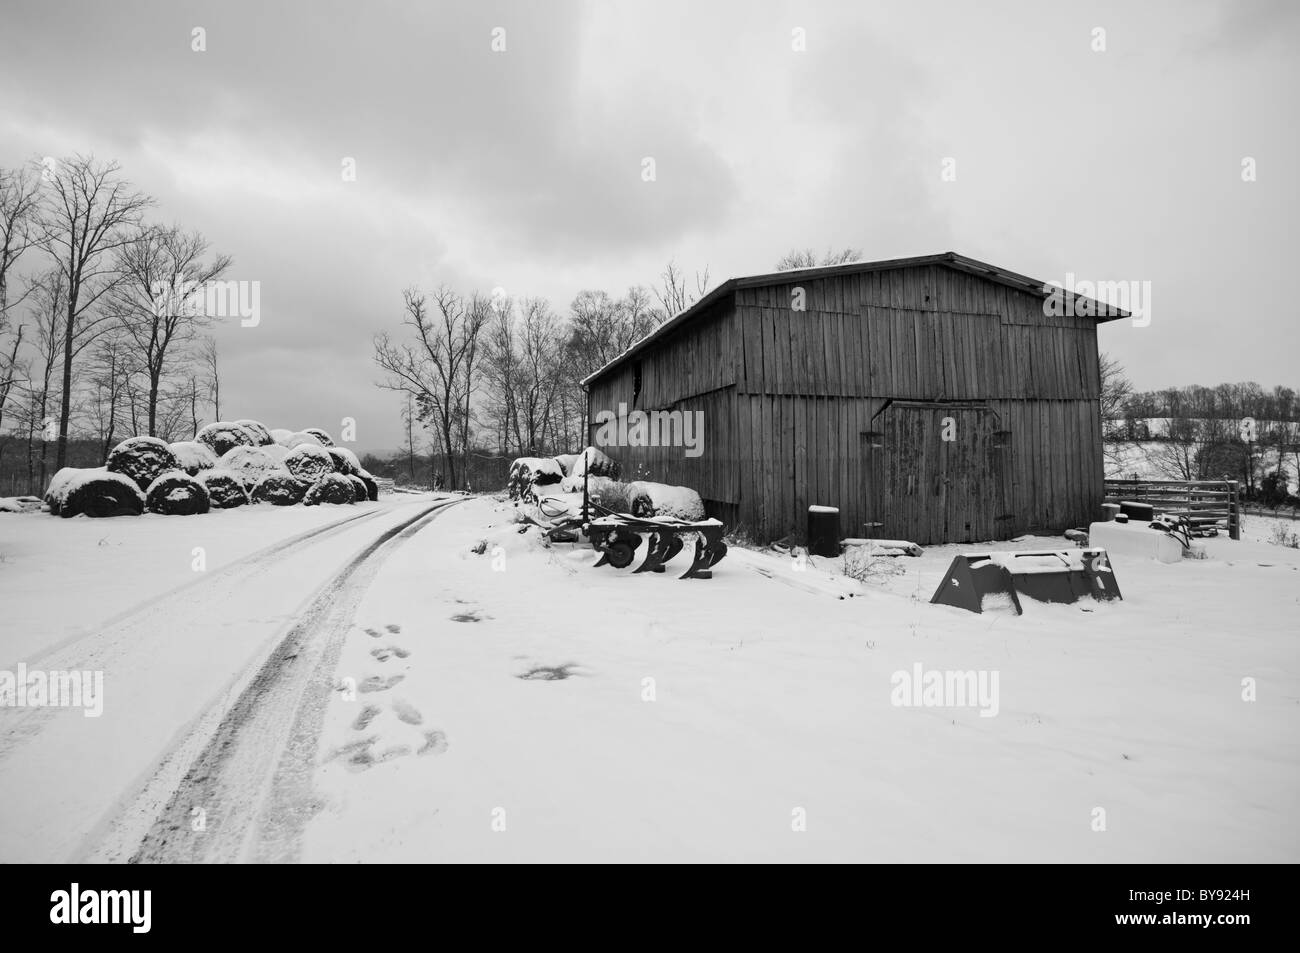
(225, 489)
(142, 459)
(222, 437)
(279, 489)
(176, 493)
(330, 488)
(309, 462)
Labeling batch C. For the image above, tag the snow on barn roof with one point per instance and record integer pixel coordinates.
(950, 259)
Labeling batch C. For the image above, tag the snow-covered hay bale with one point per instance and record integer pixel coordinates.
(143, 459)
(225, 489)
(282, 436)
(358, 487)
(99, 492)
(309, 462)
(345, 461)
(527, 472)
(566, 462)
(331, 488)
(279, 489)
(223, 436)
(372, 486)
(176, 493)
(325, 439)
(57, 490)
(659, 499)
(301, 438)
(250, 464)
(595, 462)
(192, 456)
(275, 451)
(258, 430)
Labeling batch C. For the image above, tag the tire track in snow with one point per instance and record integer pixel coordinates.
(251, 777)
(96, 649)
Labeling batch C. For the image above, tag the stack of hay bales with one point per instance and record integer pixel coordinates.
(227, 464)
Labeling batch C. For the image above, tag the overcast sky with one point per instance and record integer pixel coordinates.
(522, 169)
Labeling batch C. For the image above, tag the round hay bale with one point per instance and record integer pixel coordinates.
(276, 452)
(250, 464)
(660, 499)
(309, 462)
(566, 462)
(301, 438)
(526, 472)
(358, 487)
(345, 461)
(223, 436)
(225, 489)
(372, 487)
(595, 462)
(192, 456)
(325, 439)
(258, 430)
(98, 492)
(330, 488)
(57, 491)
(176, 493)
(281, 436)
(142, 459)
(279, 489)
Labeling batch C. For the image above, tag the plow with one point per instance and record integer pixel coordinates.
(639, 543)
(1053, 575)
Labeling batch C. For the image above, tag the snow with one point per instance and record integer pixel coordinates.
(596, 462)
(193, 456)
(511, 688)
(823, 509)
(19, 504)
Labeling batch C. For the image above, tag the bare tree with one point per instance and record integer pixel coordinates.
(674, 292)
(155, 300)
(88, 213)
(437, 367)
(212, 373)
(807, 258)
(18, 233)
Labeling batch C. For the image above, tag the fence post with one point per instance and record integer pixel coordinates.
(1234, 509)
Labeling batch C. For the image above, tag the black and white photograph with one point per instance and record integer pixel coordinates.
(712, 432)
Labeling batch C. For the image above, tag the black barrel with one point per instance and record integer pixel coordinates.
(823, 531)
(1141, 512)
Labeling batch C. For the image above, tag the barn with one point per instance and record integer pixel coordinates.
(936, 399)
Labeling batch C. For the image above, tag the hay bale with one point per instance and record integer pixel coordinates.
(566, 462)
(192, 456)
(595, 462)
(309, 462)
(258, 430)
(282, 436)
(142, 459)
(527, 472)
(279, 489)
(330, 488)
(345, 461)
(324, 439)
(660, 499)
(176, 493)
(99, 493)
(223, 436)
(358, 487)
(372, 486)
(225, 489)
(250, 464)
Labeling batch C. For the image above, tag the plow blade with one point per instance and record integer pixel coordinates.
(1063, 576)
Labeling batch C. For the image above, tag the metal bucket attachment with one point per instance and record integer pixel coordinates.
(1048, 575)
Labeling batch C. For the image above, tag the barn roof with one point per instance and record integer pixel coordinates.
(949, 259)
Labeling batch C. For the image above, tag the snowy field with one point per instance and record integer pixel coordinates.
(519, 705)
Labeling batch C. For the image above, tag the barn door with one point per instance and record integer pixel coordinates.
(938, 473)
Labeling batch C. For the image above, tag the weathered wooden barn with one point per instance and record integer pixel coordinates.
(935, 399)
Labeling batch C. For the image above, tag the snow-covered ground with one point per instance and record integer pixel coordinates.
(520, 705)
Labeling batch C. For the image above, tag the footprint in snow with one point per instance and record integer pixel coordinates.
(395, 629)
(383, 654)
(365, 718)
(408, 713)
(377, 683)
(435, 742)
(467, 617)
(374, 634)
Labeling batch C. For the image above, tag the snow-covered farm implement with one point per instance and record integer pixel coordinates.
(1051, 575)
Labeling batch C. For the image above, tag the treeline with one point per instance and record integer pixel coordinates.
(99, 335)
